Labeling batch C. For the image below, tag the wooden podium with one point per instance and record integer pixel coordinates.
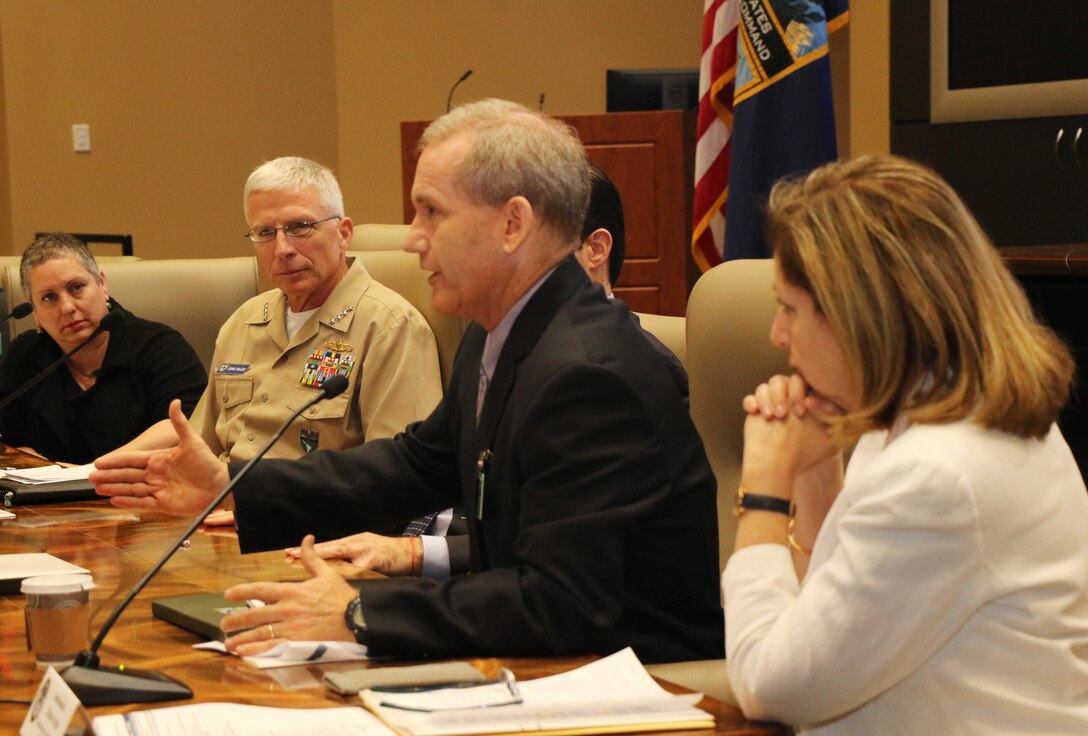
(651, 158)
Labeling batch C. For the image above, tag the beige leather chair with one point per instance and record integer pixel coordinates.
(377, 236)
(400, 272)
(728, 354)
(193, 295)
(669, 330)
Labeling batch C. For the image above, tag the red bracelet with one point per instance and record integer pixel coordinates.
(412, 555)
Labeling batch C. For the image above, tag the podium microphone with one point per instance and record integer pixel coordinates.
(98, 685)
(17, 312)
(449, 98)
(108, 322)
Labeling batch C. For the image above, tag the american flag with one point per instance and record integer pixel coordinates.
(764, 112)
(717, 74)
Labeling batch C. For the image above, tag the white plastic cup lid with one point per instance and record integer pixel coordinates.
(45, 584)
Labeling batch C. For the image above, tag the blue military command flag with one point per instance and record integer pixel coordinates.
(765, 112)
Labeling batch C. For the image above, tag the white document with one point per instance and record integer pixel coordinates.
(14, 568)
(294, 653)
(617, 677)
(615, 691)
(48, 474)
(6, 514)
(227, 719)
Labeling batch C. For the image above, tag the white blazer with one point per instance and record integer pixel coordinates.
(947, 594)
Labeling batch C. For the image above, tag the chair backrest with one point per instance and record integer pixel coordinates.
(400, 272)
(728, 354)
(193, 295)
(378, 236)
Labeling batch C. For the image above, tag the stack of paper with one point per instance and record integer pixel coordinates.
(610, 695)
(225, 719)
(15, 568)
(47, 474)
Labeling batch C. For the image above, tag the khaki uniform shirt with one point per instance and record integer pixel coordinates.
(364, 330)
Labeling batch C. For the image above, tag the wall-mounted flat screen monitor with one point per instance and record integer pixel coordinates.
(986, 64)
(628, 90)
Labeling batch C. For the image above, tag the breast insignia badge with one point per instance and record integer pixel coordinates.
(339, 346)
(325, 363)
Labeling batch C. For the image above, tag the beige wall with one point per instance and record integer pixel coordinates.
(183, 99)
(5, 174)
(397, 60)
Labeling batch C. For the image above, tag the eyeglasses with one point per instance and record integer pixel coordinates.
(296, 229)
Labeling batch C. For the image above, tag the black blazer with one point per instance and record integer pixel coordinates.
(595, 529)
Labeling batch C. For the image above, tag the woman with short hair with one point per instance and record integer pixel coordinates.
(109, 391)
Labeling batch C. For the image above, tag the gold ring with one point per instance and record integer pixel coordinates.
(271, 633)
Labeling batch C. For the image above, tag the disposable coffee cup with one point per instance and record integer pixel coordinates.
(57, 617)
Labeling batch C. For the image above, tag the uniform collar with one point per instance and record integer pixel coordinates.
(337, 312)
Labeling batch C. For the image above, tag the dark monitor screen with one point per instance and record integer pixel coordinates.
(628, 90)
(987, 50)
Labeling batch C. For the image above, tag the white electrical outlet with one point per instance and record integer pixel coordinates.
(81, 138)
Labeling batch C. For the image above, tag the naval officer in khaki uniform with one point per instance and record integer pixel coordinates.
(325, 316)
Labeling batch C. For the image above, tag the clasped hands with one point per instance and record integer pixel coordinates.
(785, 434)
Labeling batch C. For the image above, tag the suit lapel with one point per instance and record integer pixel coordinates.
(529, 326)
(536, 316)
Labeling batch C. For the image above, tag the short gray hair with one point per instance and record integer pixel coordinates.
(292, 173)
(517, 151)
(48, 246)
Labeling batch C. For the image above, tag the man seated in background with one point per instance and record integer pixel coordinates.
(326, 316)
(601, 255)
(603, 249)
(591, 504)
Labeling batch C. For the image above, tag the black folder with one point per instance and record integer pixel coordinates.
(198, 613)
(23, 494)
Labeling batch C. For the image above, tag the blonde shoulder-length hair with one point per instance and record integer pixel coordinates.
(935, 326)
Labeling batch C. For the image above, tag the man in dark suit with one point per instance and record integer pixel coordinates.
(591, 504)
(601, 254)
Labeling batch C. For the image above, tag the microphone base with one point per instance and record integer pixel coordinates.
(118, 686)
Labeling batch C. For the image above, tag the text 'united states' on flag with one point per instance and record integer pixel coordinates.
(764, 112)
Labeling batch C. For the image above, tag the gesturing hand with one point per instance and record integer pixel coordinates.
(181, 480)
(312, 610)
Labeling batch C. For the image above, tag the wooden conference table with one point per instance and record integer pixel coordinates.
(118, 546)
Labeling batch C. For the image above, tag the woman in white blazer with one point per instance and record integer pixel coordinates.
(941, 585)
